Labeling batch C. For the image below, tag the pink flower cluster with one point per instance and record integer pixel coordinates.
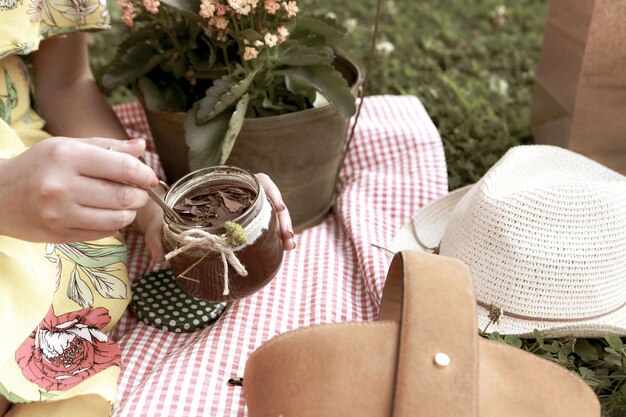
(220, 15)
(126, 10)
(269, 40)
(152, 6)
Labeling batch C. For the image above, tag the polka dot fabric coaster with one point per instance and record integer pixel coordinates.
(159, 301)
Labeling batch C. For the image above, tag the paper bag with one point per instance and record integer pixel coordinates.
(580, 90)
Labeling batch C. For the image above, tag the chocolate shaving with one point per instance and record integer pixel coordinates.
(232, 205)
(215, 205)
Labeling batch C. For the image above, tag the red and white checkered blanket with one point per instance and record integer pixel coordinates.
(395, 165)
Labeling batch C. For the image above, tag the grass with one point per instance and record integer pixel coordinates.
(472, 63)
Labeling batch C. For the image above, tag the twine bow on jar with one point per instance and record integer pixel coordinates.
(213, 244)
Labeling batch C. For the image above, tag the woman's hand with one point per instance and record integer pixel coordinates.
(149, 223)
(66, 190)
(286, 229)
(149, 220)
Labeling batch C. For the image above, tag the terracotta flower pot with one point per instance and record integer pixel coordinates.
(302, 152)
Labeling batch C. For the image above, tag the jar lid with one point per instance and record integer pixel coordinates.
(159, 302)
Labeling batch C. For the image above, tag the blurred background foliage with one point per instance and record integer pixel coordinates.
(472, 63)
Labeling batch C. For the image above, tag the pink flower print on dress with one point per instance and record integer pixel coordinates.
(64, 351)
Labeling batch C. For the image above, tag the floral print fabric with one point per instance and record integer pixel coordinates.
(24, 23)
(65, 350)
(60, 299)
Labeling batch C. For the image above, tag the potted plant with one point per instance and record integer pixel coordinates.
(250, 83)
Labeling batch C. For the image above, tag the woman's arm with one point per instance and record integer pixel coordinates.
(73, 106)
(67, 94)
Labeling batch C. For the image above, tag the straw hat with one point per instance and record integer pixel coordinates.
(544, 235)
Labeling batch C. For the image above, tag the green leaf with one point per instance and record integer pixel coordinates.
(537, 335)
(513, 341)
(562, 358)
(78, 291)
(223, 94)
(586, 373)
(495, 336)
(202, 59)
(614, 341)
(91, 255)
(152, 95)
(328, 28)
(305, 55)
(297, 86)
(252, 35)
(234, 127)
(11, 90)
(13, 398)
(327, 81)
(553, 348)
(136, 62)
(205, 140)
(149, 31)
(585, 350)
(107, 284)
(613, 359)
(4, 115)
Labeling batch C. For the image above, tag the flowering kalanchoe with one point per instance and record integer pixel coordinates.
(250, 53)
(271, 6)
(226, 64)
(126, 10)
(243, 7)
(283, 33)
(291, 7)
(152, 6)
(270, 39)
(207, 9)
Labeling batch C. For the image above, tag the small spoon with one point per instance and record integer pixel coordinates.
(169, 212)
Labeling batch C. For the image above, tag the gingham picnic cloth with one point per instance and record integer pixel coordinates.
(395, 165)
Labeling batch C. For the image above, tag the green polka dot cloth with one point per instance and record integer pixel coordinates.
(159, 301)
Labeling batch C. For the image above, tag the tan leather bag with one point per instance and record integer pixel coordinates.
(398, 366)
(580, 88)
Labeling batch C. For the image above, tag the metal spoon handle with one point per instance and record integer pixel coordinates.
(169, 212)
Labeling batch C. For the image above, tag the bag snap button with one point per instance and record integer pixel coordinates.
(442, 360)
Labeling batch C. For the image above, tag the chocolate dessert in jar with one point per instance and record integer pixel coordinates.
(229, 245)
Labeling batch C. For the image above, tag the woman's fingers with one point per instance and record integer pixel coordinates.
(284, 218)
(97, 193)
(88, 218)
(133, 147)
(153, 240)
(118, 164)
(286, 231)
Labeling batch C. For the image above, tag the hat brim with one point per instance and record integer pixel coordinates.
(426, 228)
(424, 233)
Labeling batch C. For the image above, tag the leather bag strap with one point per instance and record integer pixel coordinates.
(433, 298)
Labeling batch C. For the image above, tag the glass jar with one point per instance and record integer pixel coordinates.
(200, 271)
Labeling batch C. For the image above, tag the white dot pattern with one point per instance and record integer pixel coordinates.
(158, 301)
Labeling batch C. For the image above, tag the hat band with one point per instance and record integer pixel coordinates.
(551, 320)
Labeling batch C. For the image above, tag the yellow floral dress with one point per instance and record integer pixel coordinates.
(57, 301)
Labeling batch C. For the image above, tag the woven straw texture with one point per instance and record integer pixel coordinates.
(544, 235)
(396, 164)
